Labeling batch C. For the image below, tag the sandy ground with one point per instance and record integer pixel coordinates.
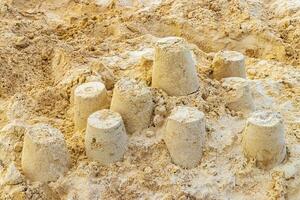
(48, 47)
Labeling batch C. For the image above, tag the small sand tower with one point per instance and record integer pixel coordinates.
(264, 140)
(174, 69)
(238, 95)
(44, 156)
(105, 139)
(228, 64)
(88, 98)
(185, 136)
(134, 102)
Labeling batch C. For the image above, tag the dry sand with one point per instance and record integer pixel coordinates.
(49, 47)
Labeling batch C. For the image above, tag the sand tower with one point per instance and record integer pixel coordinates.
(105, 139)
(185, 136)
(134, 102)
(174, 69)
(264, 140)
(44, 156)
(228, 64)
(238, 95)
(88, 98)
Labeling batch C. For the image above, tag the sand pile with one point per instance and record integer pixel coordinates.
(50, 48)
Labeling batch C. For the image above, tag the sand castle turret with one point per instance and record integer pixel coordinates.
(105, 139)
(228, 64)
(134, 103)
(88, 98)
(44, 156)
(238, 95)
(264, 139)
(185, 136)
(174, 69)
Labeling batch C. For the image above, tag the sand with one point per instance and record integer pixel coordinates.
(49, 47)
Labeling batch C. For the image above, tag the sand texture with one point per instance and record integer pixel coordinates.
(50, 47)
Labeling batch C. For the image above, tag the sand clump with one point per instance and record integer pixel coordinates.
(49, 48)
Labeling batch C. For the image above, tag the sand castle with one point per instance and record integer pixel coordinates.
(227, 59)
(174, 71)
(132, 106)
